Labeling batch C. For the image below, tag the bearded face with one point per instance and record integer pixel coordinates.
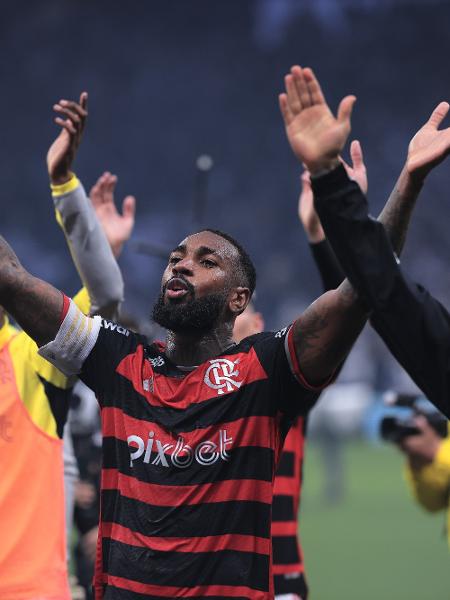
(187, 313)
(198, 283)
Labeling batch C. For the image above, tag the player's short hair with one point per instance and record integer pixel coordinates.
(246, 265)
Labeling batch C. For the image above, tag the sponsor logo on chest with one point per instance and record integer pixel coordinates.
(178, 454)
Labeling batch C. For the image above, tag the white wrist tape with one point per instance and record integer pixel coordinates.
(73, 342)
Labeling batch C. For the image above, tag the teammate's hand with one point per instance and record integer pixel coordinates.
(357, 172)
(422, 448)
(307, 213)
(117, 227)
(430, 145)
(62, 152)
(315, 135)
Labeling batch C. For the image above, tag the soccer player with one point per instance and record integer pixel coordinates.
(193, 428)
(35, 395)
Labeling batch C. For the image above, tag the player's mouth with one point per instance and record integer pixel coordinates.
(176, 288)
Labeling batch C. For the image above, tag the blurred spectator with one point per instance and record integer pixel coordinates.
(428, 468)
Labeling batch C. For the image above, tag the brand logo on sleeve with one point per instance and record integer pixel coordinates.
(221, 375)
(281, 333)
(115, 327)
(178, 454)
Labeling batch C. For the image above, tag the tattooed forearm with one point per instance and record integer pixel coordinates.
(8, 258)
(398, 210)
(307, 335)
(326, 331)
(34, 304)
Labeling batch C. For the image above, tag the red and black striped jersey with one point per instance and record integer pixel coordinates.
(189, 460)
(288, 567)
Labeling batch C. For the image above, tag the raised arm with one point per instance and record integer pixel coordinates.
(86, 239)
(327, 264)
(427, 149)
(36, 305)
(414, 325)
(324, 334)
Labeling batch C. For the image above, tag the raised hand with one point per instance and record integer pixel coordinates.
(357, 172)
(315, 135)
(117, 227)
(307, 213)
(62, 152)
(430, 145)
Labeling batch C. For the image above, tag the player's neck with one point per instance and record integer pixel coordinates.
(189, 349)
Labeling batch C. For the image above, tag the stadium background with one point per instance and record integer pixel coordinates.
(171, 80)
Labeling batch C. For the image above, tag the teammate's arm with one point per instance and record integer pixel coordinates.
(395, 216)
(325, 332)
(91, 253)
(327, 264)
(426, 150)
(414, 325)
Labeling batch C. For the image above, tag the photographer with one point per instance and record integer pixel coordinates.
(428, 467)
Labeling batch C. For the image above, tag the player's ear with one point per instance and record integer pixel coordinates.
(240, 297)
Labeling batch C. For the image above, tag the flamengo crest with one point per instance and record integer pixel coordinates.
(221, 375)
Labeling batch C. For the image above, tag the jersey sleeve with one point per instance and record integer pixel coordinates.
(90, 347)
(291, 392)
(114, 345)
(45, 369)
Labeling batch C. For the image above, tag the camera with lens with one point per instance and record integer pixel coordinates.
(396, 427)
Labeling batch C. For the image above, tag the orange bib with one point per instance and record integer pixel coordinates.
(32, 530)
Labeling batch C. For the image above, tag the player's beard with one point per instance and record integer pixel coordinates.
(196, 315)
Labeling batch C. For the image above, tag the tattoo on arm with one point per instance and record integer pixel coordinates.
(35, 304)
(396, 214)
(326, 331)
(307, 338)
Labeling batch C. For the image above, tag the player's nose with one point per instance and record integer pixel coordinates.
(183, 267)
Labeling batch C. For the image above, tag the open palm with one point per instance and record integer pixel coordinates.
(117, 227)
(315, 135)
(430, 145)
